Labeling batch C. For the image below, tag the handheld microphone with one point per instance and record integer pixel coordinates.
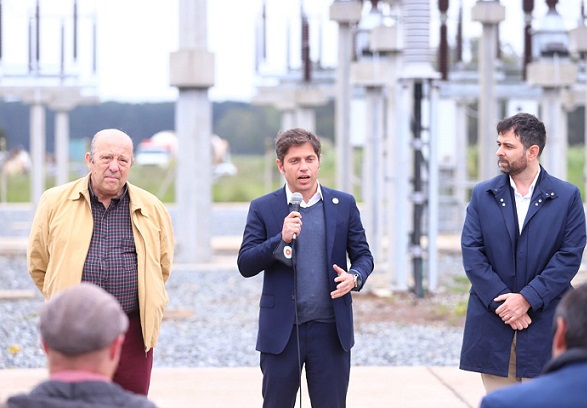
(296, 200)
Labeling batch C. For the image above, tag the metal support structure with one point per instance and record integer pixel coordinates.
(42, 86)
(433, 188)
(553, 71)
(418, 193)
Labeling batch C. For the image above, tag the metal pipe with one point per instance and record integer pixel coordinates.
(418, 193)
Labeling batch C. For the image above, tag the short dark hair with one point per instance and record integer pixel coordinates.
(573, 309)
(295, 137)
(527, 127)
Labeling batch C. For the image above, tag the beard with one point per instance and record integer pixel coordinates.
(512, 168)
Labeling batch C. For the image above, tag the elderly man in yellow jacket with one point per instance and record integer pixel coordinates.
(102, 229)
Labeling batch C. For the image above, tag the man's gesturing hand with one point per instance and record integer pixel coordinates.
(345, 282)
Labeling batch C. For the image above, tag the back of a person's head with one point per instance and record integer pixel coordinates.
(573, 310)
(81, 319)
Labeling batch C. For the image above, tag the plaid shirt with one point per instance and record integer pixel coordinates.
(111, 262)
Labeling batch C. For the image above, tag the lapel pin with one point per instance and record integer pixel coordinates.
(335, 200)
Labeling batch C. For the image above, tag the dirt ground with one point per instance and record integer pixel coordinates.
(442, 309)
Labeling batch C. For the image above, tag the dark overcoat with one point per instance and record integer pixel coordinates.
(539, 263)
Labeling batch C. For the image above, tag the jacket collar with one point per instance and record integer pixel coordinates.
(573, 355)
(81, 190)
(544, 189)
(499, 187)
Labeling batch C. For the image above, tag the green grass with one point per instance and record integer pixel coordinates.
(251, 180)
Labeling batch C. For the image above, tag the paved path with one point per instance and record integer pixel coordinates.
(370, 387)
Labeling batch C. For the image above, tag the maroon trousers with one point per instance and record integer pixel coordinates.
(134, 369)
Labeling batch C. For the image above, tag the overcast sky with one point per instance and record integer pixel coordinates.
(135, 38)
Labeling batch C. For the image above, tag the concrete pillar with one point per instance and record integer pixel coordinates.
(297, 103)
(461, 177)
(37, 144)
(489, 14)
(585, 151)
(306, 118)
(62, 101)
(192, 71)
(62, 146)
(403, 163)
(345, 13)
(387, 42)
(394, 195)
(288, 119)
(373, 169)
(553, 75)
(554, 158)
(578, 46)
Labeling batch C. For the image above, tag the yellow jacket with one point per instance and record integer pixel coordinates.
(60, 237)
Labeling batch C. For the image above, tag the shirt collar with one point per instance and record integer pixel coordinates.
(315, 198)
(71, 376)
(94, 197)
(532, 186)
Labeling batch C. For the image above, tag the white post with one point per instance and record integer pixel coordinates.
(37, 142)
(433, 201)
(192, 71)
(62, 146)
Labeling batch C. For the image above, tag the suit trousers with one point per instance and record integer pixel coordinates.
(493, 382)
(326, 364)
(134, 369)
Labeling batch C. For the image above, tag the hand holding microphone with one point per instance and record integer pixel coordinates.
(296, 200)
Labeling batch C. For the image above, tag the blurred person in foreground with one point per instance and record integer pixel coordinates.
(522, 243)
(104, 230)
(562, 384)
(82, 330)
(315, 308)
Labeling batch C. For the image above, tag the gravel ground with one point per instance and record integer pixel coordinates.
(211, 321)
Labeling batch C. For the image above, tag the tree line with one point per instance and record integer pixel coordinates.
(247, 127)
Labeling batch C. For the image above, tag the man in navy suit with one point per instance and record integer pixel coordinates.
(306, 315)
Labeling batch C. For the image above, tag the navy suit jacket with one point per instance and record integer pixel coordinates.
(344, 235)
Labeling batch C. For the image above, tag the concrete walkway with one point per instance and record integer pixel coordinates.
(370, 387)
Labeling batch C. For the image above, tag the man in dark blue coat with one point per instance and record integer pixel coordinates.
(522, 244)
(563, 383)
(306, 315)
